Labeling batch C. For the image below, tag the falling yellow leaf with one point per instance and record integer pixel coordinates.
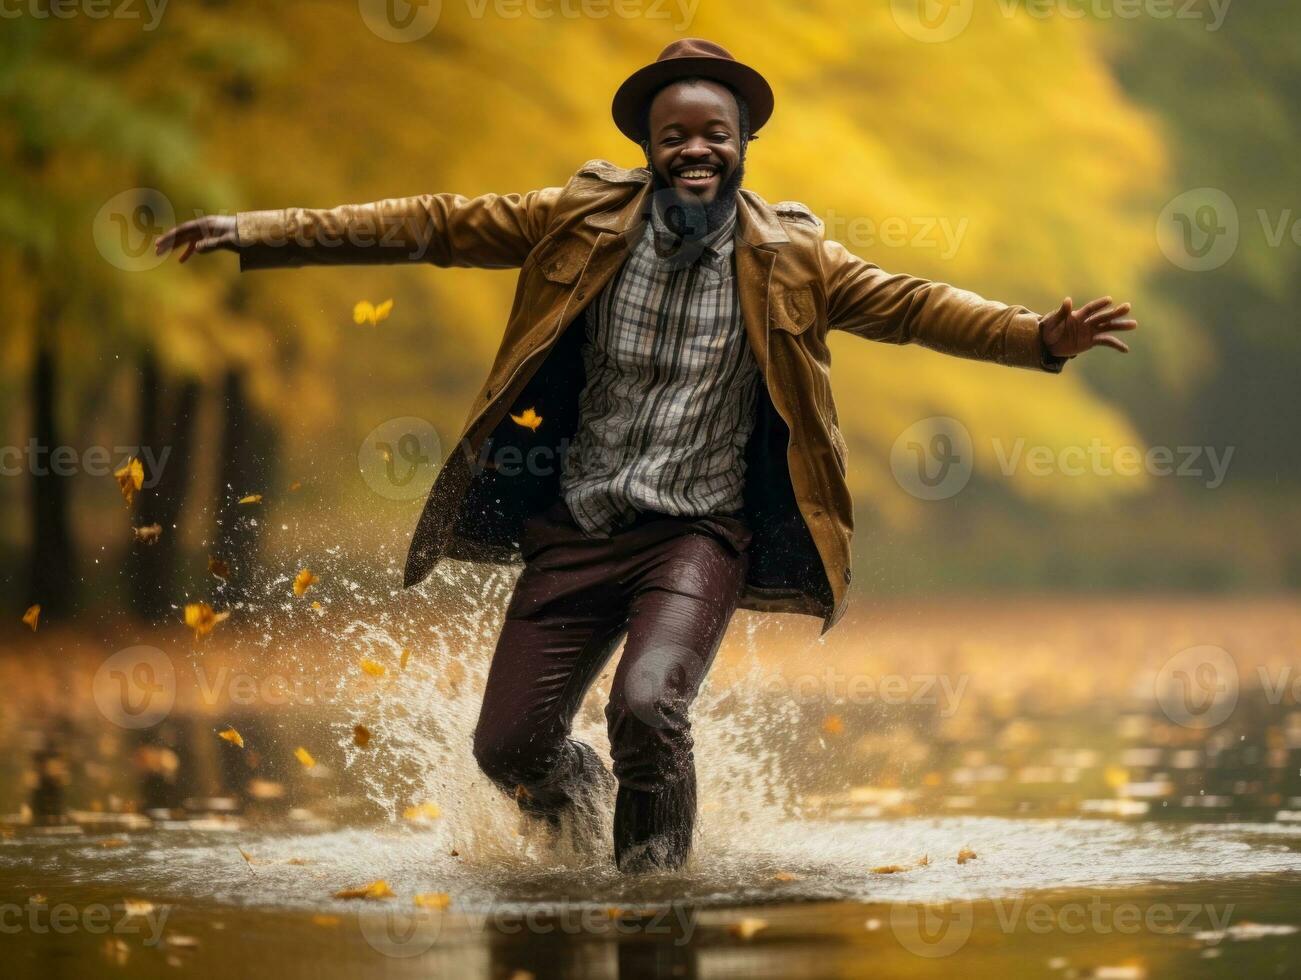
(360, 736)
(32, 616)
(303, 581)
(528, 419)
(38, 899)
(422, 811)
(747, 928)
(233, 737)
(833, 725)
(433, 900)
(965, 855)
(295, 486)
(376, 889)
(137, 906)
(367, 312)
(219, 567)
(201, 618)
(305, 757)
(406, 658)
(372, 668)
(130, 478)
(326, 921)
(252, 498)
(149, 534)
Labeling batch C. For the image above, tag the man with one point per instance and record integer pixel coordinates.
(670, 331)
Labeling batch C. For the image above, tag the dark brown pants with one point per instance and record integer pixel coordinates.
(670, 584)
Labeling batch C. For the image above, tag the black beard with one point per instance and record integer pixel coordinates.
(716, 212)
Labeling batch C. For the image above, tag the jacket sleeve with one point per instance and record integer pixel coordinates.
(492, 231)
(866, 301)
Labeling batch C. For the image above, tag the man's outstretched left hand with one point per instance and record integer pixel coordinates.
(1067, 331)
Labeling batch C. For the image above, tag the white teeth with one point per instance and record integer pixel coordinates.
(690, 174)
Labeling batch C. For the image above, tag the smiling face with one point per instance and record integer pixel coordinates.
(694, 139)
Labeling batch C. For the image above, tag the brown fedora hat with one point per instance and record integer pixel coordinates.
(683, 59)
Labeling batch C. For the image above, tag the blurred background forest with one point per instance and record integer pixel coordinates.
(1052, 149)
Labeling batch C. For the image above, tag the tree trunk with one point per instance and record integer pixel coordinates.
(247, 448)
(52, 578)
(167, 432)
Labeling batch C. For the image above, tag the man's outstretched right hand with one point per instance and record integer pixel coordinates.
(200, 235)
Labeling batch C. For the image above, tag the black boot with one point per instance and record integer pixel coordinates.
(653, 829)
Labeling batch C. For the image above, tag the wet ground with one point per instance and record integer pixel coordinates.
(985, 790)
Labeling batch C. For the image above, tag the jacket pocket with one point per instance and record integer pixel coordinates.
(792, 308)
(560, 261)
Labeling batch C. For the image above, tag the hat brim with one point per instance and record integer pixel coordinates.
(628, 107)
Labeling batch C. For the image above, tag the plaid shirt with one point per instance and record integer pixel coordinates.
(671, 384)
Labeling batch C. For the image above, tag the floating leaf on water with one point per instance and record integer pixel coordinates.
(833, 725)
(130, 478)
(303, 581)
(433, 900)
(305, 757)
(116, 950)
(367, 312)
(372, 668)
(375, 890)
(149, 534)
(360, 736)
(113, 842)
(200, 617)
(219, 567)
(890, 869)
(232, 736)
(252, 498)
(32, 616)
(454, 853)
(785, 876)
(747, 928)
(965, 855)
(528, 419)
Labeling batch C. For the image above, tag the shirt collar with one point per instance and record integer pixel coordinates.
(712, 248)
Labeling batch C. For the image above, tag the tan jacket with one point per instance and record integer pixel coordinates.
(794, 286)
